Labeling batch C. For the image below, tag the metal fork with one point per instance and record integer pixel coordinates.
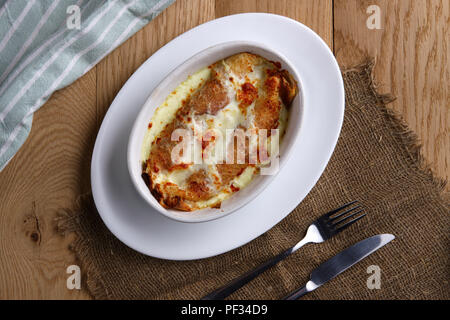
(322, 229)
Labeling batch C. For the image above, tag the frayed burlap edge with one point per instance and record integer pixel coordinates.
(67, 220)
(400, 129)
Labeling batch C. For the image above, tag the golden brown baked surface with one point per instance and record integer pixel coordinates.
(244, 91)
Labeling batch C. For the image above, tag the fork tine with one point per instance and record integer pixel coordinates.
(345, 212)
(348, 224)
(347, 217)
(340, 208)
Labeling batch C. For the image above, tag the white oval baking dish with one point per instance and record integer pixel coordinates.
(159, 94)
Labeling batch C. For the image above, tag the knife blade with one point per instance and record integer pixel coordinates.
(341, 262)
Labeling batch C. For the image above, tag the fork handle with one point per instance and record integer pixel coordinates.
(238, 282)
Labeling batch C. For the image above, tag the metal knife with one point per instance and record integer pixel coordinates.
(341, 262)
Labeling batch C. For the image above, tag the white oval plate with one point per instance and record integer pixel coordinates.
(140, 226)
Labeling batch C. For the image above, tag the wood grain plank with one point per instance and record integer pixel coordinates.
(315, 14)
(117, 67)
(412, 62)
(48, 173)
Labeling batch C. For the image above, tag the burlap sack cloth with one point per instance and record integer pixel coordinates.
(376, 161)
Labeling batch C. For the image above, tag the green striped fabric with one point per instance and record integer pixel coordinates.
(46, 45)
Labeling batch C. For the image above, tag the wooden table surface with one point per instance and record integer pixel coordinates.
(52, 168)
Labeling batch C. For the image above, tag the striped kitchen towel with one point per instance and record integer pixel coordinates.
(46, 45)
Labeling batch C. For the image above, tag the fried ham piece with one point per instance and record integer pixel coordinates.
(279, 86)
(211, 98)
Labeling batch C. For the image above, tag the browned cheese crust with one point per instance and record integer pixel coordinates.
(277, 86)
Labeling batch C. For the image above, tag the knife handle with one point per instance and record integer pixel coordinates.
(296, 294)
(237, 283)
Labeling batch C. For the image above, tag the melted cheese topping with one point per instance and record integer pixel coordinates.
(222, 123)
(165, 113)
